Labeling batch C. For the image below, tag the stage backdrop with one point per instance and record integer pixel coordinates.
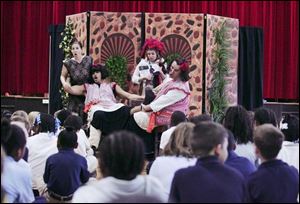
(24, 55)
(232, 25)
(106, 34)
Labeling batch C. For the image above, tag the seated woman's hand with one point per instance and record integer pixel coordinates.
(139, 98)
(136, 97)
(135, 109)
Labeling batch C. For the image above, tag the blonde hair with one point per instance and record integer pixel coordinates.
(179, 143)
(22, 122)
(32, 115)
(21, 113)
(21, 116)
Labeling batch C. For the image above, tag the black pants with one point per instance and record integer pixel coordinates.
(148, 138)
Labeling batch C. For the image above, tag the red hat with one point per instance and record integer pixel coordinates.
(152, 44)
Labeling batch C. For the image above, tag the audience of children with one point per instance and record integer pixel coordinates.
(209, 181)
(16, 177)
(274, 181)
(41, 146)
(84, 147)
(190, 169)
(121, 163)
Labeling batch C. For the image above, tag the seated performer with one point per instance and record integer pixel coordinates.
(151, 71)
(101, 101)
(173, 96)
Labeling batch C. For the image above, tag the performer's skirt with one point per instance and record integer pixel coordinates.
(109, 122)
(148, 138)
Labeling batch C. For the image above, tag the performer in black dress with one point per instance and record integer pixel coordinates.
(77, 70)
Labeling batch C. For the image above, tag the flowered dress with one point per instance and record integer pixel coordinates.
(79, 74)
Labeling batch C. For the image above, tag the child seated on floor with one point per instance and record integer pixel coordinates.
(65, 171)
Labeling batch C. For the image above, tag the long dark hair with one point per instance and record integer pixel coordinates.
(237, 120)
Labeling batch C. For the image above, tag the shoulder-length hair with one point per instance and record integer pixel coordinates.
(237, 120)
(180, 141)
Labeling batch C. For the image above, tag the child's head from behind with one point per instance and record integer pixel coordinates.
(73, 121)
(177, 117)
(264, 115)
(67, 138)
(121, 155)
(200, 118)
(237, 120)
(268, 140)
(44, 123)
(210, 138)
(13, 139)
(62, 115)
(180, 141)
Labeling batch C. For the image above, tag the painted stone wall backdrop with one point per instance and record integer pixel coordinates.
(182, 34)
(79, 24)
(233, 29)
(113, 33)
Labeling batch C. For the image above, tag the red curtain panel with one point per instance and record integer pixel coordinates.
(25, 38)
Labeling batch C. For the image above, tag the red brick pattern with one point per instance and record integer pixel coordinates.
(79, 24)
(104, 24)
(190, 27)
